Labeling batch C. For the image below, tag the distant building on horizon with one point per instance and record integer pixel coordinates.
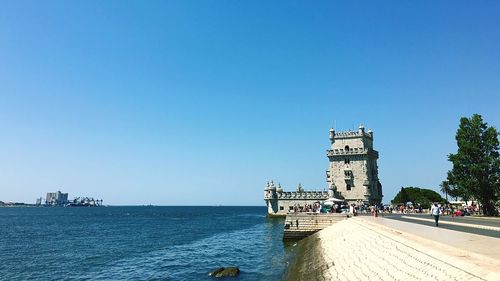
(56, 198)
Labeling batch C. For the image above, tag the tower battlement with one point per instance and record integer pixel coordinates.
(350, 134)
(334, 135)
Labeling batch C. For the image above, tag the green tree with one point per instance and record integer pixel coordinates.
(418, 196)
(449, 190)
(403, 196)
(453, 191)
(445, 188)
(476, 165)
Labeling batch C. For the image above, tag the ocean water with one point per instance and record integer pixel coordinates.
(139, 243)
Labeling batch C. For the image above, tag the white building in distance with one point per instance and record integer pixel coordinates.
(56, 198)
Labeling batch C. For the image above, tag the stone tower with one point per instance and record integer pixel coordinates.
(352, 171)
(271, 198)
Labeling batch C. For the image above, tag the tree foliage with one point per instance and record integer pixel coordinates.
(449, 190)
(417, 196)
(476, 165)
(445, 188)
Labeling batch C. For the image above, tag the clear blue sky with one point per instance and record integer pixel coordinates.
(202, 102)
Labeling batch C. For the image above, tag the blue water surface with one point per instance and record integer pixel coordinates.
(139, 243)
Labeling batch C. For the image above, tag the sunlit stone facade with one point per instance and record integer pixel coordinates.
(352, 174)
(352, 169)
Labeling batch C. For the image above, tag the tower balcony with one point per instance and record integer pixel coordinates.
(352, 151)
(348, 175)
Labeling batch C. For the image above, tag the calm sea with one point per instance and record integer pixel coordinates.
(139, 243)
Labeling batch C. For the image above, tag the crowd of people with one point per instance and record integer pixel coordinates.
(314, 208)
(375, 210)
(317, 207)
(339, 207)
(445, 209)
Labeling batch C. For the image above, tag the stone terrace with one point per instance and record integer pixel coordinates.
(301, 225)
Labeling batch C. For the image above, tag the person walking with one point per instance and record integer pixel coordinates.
(436, 211)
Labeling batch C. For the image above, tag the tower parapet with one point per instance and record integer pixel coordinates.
(280, 202)
(334, 135)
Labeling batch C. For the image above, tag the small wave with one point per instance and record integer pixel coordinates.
(250, 215)
(247, 248)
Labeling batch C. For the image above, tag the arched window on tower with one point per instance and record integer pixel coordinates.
(347, 161)
(346, 148)
(348, 187)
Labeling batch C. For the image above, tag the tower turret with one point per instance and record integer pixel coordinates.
(332, 135)
(270, 191)
(279, 189)
(271, 197)
(300, 189)
(361, 129)
(332, 190)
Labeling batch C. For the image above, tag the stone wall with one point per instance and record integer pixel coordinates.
(281, 207)
(301, 225)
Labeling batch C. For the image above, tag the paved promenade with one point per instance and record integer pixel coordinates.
(468, 242)
(365, 248)
(445, 222)
(487, 226)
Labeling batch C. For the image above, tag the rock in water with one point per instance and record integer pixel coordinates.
(228, 272)
(225, 272)
(213, 273)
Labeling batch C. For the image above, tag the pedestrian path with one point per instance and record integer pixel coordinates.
(470, 244)
(486, 227)
(366, 249)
